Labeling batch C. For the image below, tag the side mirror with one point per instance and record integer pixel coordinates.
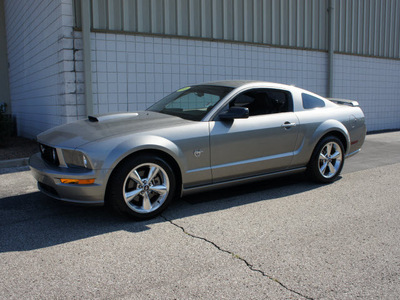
(235, 113)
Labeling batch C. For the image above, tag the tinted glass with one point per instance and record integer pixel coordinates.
(191, 103)
(311, 101)
(264, 101)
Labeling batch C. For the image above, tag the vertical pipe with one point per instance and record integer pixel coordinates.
(4, 80)
(87, 61)
(331, 49)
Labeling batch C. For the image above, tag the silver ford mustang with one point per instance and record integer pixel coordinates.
(200, 137)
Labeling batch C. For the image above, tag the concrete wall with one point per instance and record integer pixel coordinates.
(42, 65)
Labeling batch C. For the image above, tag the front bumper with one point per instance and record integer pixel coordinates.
(48, 178)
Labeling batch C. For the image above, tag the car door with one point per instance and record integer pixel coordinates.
(262, 143)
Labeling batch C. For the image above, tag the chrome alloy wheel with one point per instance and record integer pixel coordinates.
(330, 159)
(146, 188)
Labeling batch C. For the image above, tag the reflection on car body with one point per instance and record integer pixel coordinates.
(199, 137)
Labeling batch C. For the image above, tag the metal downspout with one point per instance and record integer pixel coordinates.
(4, 79)
(331, 49)
(87, 61)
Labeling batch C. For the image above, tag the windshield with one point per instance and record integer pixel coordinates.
(191, 103)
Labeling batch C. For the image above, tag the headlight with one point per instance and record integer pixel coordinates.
(49, 154)
(74, 158)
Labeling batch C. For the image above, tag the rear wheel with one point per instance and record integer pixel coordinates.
(142, 187)
(327, 160)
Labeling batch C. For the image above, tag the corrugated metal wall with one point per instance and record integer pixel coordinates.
(368, 27)
(364, 27)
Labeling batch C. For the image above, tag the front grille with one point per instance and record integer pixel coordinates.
(49, 154)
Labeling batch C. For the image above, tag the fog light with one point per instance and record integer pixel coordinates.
(77, 181)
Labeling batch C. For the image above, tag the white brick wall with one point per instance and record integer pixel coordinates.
(132, 72)
(42, 66)
(375, 83)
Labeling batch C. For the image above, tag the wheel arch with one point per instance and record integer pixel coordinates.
(154, 152)
(332, 128)
(339, 135)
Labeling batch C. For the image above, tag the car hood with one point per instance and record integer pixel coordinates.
(81, 132)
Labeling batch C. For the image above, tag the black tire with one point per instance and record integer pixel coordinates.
(327, 160)
(141, 187)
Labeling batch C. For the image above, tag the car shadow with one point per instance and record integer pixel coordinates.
(34, 221)
(226, 198)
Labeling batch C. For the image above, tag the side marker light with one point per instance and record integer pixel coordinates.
(77, 181)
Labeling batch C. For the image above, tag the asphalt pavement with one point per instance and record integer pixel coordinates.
(286, 238)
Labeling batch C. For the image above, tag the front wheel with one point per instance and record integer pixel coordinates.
(142, 187)
(327, 160)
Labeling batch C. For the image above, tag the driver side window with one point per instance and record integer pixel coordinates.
(264, 101)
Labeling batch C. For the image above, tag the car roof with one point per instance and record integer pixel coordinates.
(239, 83)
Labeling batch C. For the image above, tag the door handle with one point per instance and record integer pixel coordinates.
(288, 125)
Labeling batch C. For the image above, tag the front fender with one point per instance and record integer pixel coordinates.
(145, 142)
(107, 154)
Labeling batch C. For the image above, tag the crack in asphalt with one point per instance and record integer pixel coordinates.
(249, 265)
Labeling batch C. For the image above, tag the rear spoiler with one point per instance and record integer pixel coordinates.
(344, 102)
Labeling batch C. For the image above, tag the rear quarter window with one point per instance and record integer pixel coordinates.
(310, 102)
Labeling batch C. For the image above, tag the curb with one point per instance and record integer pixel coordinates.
(13, 163)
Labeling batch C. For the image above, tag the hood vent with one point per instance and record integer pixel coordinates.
(111, 117)
(93, 119)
